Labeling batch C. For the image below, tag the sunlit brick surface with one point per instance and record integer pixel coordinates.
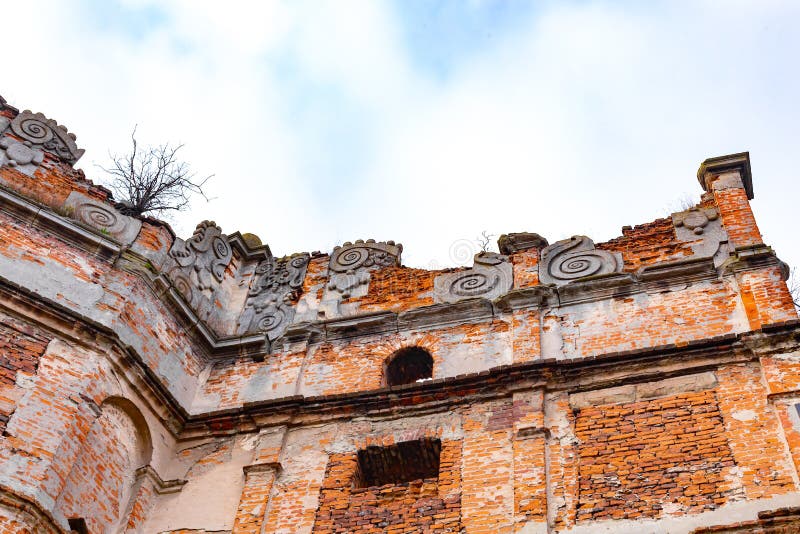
(649, 383)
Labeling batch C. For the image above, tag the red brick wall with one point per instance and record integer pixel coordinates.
(649, 243)
(512, 458)
(398, 289)
(636, 459)
(737, 217)
(21, 346)
(100, 482)
(695, 312)
(427, 505)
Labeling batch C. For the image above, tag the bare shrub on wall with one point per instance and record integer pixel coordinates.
(153, 179)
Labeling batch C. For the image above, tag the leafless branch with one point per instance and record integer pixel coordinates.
(794, 287)
(483, 240)
(153, 180)
(684, 202)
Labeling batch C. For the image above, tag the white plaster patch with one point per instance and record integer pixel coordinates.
(249, 442)
(791, 356)
(724, 515)
(744, 415)
(532, 527)
(25, 380)
(672, 508)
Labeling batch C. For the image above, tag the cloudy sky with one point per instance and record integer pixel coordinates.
(426, 121)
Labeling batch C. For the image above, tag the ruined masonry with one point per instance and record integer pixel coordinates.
(157, 384)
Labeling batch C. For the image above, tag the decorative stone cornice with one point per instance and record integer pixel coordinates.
(713, 167)
(28, 134)
(89, 240)
(573, 375)
(252, 341)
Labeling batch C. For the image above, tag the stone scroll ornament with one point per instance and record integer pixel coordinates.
(491, 275)
(104, 217)
(200, 263)
(26, 138)
(365, 254)
(575, 258)
(350, 264)
(276, 283)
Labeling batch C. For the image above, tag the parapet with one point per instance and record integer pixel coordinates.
(235, 297)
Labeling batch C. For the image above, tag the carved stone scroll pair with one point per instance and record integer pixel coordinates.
(25, 138)
(350, 264)
(268, 308)
(199, 265)
(349, 273)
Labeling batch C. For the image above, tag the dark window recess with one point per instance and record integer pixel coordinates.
(399, 463)
(78, 524)
(409, 365)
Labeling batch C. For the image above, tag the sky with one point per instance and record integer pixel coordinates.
(426, 122)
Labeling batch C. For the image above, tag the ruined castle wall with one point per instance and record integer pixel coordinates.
(150, 383)
(678, 450)
(87, 284)
(577, 330)
(69, 433)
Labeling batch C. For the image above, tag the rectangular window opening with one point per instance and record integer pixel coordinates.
(398, 463)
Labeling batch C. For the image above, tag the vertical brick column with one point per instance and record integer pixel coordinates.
(561, 461)
(530, 480)
(526, 325)
(765, 468)
(729, 179)
(487, 498)
(258, 480)
(144, 491)
(146, 488)
(764, 293)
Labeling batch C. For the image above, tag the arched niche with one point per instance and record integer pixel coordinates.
(101, 483)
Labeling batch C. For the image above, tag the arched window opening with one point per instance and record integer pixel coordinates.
(412, 364)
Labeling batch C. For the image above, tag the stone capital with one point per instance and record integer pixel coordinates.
(713, 168)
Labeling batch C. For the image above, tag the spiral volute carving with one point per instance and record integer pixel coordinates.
(365, 255)
(576, 258)
(473, 284)
(97, 216)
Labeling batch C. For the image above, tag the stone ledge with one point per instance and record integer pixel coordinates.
(162, 487)
(644, 391)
